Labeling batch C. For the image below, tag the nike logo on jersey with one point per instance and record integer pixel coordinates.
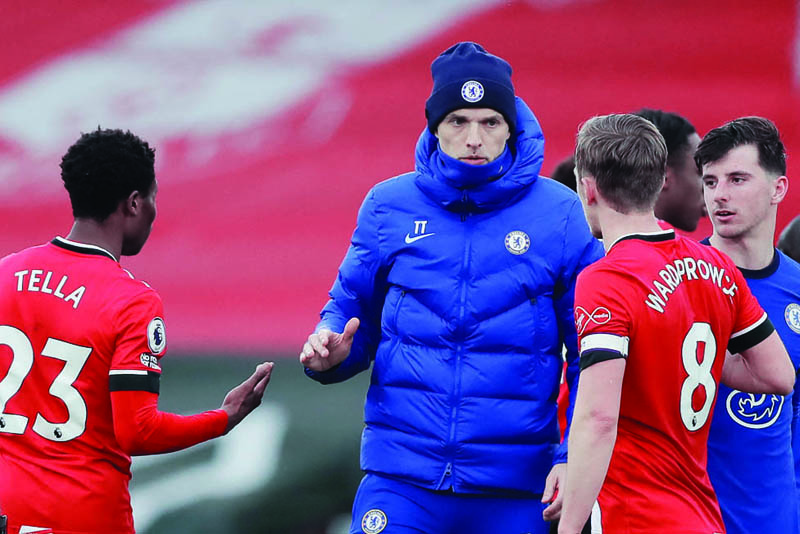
(410, 239)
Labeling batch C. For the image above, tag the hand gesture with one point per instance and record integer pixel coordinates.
(326, 349)
(554, 492)
(245, 397)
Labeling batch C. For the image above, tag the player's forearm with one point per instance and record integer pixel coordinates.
(141, 428)
(590, 445)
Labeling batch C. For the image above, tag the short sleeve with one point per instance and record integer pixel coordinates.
(602, 317)
(752, 325)
(140, 344)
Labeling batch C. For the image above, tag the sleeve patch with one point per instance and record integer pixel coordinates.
(150, 361)
(600, 316)
(156, 335)
(134, 380)
(752, 336)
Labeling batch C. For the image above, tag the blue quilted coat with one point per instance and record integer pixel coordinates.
(465, 296)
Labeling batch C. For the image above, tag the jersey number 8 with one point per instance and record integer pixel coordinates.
(699, 374)
(75, 357)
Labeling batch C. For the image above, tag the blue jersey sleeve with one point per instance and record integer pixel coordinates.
(580, 250)
(358, 291)
(796, 438)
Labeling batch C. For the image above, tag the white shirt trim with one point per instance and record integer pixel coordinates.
(751, 327)
(606, 342)
(84, 245)
(660, 232)
(113, 372)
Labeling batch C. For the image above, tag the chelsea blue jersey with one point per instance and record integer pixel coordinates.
(753, 450)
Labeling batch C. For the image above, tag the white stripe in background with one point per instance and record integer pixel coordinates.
(205, 69)
(243, 462)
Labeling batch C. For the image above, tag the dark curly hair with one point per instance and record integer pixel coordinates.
(756, 131)
(675, 129)
(102, 168)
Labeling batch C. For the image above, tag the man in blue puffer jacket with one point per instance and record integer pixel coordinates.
(459, 283)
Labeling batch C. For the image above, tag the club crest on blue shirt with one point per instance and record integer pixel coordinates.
(156, 335)
(374, 521)
(792, 316)
(518, 242)
(472, 91)
(754, 410)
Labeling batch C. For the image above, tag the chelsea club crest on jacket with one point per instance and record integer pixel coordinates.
(465, 295)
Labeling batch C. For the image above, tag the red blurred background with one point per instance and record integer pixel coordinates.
(271, 123)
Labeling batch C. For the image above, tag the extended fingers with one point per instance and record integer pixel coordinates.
(261, 370)
(316, 344)
(261, 386)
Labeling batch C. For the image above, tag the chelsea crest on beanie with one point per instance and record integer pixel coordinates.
(467, 76)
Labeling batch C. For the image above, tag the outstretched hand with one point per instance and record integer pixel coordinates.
(326, 349)
(246, 397)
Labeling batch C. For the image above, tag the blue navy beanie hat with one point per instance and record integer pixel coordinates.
(467, 76)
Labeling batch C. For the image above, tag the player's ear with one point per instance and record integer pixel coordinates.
(669, 178)
(589, 187)
(131, 204)
(780, 188)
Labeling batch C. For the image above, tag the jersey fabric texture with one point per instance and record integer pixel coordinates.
(750, 459)
(465, 296)
(670, 306)
(76, 328)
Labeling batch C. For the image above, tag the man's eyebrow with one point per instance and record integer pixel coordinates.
(730, 174)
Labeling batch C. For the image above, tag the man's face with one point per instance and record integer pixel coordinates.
(681, 205)
(739, 194)
(474, 136)
(139, 227)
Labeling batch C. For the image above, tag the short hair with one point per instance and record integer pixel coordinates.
(565, 172)
(103, 168)
(675, 128)
(627, 157)
(756, 131)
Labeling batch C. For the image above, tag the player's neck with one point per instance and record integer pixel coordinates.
(91, 232)
(615, 225)
(752, 251)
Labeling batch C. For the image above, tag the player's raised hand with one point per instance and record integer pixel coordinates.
(245, 397)
(326, 349)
